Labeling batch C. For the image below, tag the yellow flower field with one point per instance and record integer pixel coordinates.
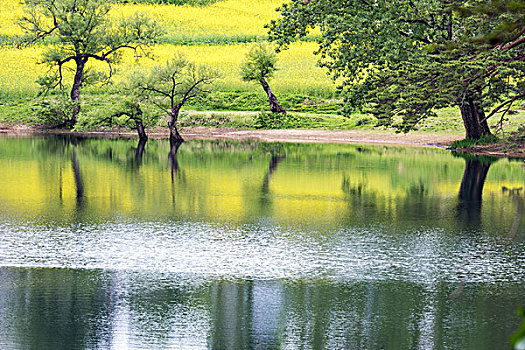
(10, 11)
(19, 70)
(230, 17)
(297, 67)
(297, 70)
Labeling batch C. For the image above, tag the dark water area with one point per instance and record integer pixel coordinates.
(241, 245)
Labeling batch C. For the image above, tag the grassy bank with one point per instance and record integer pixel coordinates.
(218, 35)
(240, 109)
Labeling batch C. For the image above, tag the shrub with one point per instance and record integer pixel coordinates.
(268, 120)
(363, 121)
(54, 111)
(213, 120)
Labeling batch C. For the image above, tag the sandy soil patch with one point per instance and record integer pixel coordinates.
(324, 136)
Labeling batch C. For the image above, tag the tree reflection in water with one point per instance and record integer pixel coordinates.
(471, 192)
(139, 151)
(79, 183)
(366, 262)
(172, 156)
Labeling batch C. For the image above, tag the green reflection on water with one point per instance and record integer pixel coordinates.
(77, 180)
(318, 199)
(77, 309)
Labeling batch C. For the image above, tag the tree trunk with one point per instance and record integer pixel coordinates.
(172, 124)
(174, 164)
(140, 130)
(75, 90)
(274, 105)
(139, 151)
(138, 124)
(470, 193)
(473, 119)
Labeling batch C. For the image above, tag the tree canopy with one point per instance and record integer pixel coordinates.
(171, 85)
(259, 66)
(404, 58)
(80, 31)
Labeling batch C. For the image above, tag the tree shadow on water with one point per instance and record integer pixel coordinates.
(468, 209)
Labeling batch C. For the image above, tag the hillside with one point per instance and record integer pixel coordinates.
(217, 34)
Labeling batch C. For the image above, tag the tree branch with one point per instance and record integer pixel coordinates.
(515, 40)
(495, 110)
(60, 64)
(514, 44)
(155, 90)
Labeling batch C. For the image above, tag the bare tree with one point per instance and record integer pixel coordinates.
(171, 85)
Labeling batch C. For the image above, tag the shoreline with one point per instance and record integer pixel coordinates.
(351, 136)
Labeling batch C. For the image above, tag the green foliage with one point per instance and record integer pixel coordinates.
(230, 101)
(468, 143)
(17, 112)
(402, 62)
(81, 31)
(53, 111)
(517, 339)
(210, 120)
(301, 103)
(120, 111)
(268, 120)
(364, 121)
(188, 39)
(170, 86)
(251, 101)
(5, 41)
(259, 63)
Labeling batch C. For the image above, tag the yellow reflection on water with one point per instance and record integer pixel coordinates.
(289, 184)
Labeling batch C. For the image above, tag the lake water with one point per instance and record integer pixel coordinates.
(228, 245)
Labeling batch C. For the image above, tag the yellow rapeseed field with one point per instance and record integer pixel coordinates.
(297, 70)
(19, 70)
(10, 11)
(230, 17)
(297, 67)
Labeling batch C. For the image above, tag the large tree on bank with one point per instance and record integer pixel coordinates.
(80, 31)
(404, 58)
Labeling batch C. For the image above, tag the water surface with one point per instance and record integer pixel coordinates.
(227, 245)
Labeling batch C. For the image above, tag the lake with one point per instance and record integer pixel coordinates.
(249, 245)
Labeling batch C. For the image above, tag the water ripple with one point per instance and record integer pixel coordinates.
(263, 252)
